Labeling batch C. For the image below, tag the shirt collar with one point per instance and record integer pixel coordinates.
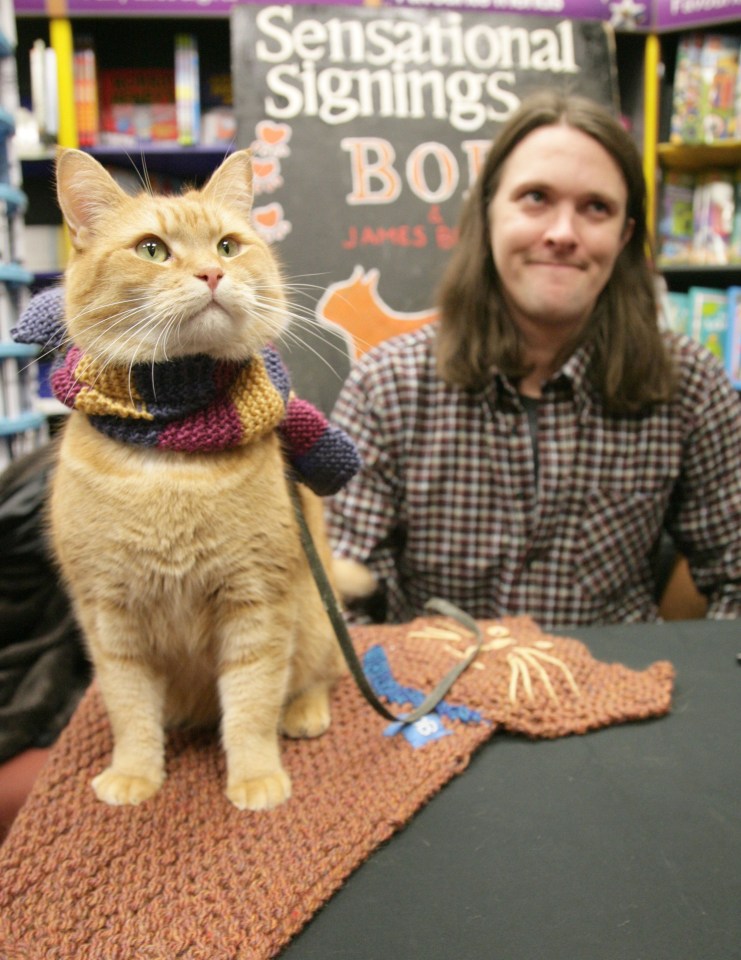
(573, 374)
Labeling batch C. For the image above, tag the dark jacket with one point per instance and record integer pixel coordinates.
(43, 666)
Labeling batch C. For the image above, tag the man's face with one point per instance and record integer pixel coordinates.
(557, 225)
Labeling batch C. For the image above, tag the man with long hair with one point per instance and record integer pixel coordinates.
(526, 452)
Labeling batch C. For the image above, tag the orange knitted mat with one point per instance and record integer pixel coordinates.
(187, 875)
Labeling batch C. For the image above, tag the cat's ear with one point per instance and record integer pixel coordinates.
(85, 191)
(231, 183)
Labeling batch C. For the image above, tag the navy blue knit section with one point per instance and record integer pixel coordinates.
(180, 387)
(277, 372)
(330, 463)
(140, 432)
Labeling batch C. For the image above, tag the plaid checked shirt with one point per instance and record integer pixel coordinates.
(447, 502)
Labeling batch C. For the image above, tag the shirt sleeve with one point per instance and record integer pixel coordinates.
(363, 518)
(706, 516)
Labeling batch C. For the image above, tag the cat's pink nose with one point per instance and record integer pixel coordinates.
(211, 277)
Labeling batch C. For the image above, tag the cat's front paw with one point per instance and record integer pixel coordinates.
(120, 789)
(307, 715)
(260, 793)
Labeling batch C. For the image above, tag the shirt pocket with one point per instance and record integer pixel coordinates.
(618, 533)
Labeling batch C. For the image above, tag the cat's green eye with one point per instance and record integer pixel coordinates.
(228, 247)
(152, 249)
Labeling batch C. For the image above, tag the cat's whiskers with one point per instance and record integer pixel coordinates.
(293, 337)
(173, 327)
(298, 312)
(107, 358)
(309, 314)
(107, 320)
(107, 350)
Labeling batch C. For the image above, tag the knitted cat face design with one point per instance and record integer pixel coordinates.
(156, 278)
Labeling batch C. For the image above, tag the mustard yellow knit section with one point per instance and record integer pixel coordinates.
(108, 391)
(258, 404)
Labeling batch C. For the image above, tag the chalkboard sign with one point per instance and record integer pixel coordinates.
(368, 125)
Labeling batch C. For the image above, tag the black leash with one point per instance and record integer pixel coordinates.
(343, 635)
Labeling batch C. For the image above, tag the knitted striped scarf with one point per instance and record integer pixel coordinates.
(190, 404)
(193, 404)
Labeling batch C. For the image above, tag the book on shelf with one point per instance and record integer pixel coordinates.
(705, 89)
(676, 227)
(676, 312)
(735, 253)
(733, 341)
(709, 319)
(187, 89)
(44, 90)
(85, 87)
(7, 23)
(718, 74)
(686, 123)
(713, 216)
(127, 106)
(699, 220)
(218, 120)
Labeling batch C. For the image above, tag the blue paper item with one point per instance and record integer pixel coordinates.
(424, 731)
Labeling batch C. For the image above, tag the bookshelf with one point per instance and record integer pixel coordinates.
(135, 58)
(687, 148)
(697, 184)
(133, 46)
(22, 426)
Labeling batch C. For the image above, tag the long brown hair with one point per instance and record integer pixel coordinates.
(630, 364)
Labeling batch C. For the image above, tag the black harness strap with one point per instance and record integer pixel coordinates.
(343, 636)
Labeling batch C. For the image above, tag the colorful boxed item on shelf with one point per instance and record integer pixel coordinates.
(733, 342)
(686, 125)
(676, 312)
(709, 309)
(713, 214)
(676, 231)
(218, 126)
(736, 231)
(137, 104)
(705, 91)
(134, 122)
(718, 73)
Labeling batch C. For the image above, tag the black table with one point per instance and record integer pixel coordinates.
(624, 844)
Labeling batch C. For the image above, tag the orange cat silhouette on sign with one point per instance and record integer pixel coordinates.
(356, 306)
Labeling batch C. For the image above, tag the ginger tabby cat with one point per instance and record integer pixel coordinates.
(185, 567)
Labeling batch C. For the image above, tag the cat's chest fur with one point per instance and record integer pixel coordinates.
(147, 526)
